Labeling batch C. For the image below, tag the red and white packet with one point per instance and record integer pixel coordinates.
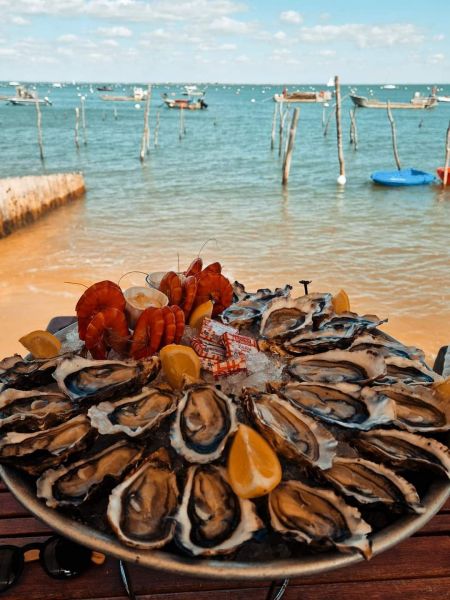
(238, 345)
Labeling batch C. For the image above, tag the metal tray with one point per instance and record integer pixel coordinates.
(24, 491)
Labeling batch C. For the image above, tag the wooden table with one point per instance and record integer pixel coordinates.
(416, 569)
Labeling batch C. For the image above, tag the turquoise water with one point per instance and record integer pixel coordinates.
(389, 248)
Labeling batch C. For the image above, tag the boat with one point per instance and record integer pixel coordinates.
(24, 97)
(402, 177)
(303, 96)
(389, 86)
(192, 90)
(139, 95)
(104, 88)
(443, 98)
(418, 102)
(440, 172)
(184, 103)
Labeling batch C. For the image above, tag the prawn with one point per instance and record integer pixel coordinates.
(99, 296)
(172, 287)
(215, 287)
(189, 292)
(179, 323)
(148, 333)
(107, 329)
(169, 326)
(195, 267)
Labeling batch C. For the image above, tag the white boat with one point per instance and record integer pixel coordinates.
(24, 97)
(443, 98)
(13, 83)
(192, 90)
(389, 86)
(303, 96)
(57, 85)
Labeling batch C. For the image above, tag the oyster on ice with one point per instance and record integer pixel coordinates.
(83, 379)
(290, 431)
(204, 420)
(33, 410)
(211, 518)
(386, 345)
(405, 450)
(404, 370)
(369, 482)
(72, 484)
(141, 509)
(248, 307)
(23, 374)
(134, 415)
(35, 452)
(338, 366)
(344, 404)
(317, 516)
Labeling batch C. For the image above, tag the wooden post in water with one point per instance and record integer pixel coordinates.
(394, 134)
(274, 126)
(39, 129)
(290, 147)
(155, 141)
(353, 129)
(447, 156)
(146, 133)
(83, 120)
(342, 180)
(327, 124)
(283, 115)
(77, 125)
(182, 129)
(352, 138)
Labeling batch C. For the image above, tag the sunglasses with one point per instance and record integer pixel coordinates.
(59, 557)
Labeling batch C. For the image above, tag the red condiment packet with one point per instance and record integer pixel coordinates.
(238, 345)
(213, 330)
(208, 364)
(229, 366)
(206, 349)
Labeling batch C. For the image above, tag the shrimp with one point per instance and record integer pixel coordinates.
(215, 287)
(148, 333)
(214, 267)
(195, 267)
(101, 295)
(189, 292)
(107, 329)
(172, 287)
(179, 323)
(169, 326)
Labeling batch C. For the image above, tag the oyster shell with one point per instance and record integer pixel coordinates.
(404, 449)
(408, 371)
(248, 307)
(72, 484)
(83, 379)
(33, 410)
(142, 507)
(136, 414)
(369, 482)
(35, 452)
(338, 366)
(344, 404)
(290, 431)
(317, 516)
(385, 345)
(204, 420)
(417, 408)
(23, 374)
(211, 518)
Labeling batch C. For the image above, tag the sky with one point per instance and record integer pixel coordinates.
(248, 41)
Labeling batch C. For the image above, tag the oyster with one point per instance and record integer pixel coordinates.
(336, 332)
(344, 404)
(23, 374)
(338, 366)
(136, 414)
(317, 516)
(72, 484)
(35, 452)
(248, 307)
(204, 420)
(290, 431)
(369, 482)
(83, 379)
(211, 518)
(33, 410)
(142, 507)
(385, 345)
(405, 450)
(417, 408)
(408, 371)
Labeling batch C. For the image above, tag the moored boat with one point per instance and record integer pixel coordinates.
(402, 177)
(24, 97)
(416, 102)
(303, 96)
(443, 98)
(184, 103)
(440, 171)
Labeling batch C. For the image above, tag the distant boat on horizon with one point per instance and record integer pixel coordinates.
(418, 102)
(389, 86)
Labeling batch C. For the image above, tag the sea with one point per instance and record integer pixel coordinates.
(212, 184)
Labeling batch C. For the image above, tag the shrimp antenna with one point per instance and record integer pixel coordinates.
(128, 273)
(76, 283)
(178, 258)
(204, 244)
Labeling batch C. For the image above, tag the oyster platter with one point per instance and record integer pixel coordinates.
(192, 422)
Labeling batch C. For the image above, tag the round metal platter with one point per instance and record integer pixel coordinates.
(24, 491)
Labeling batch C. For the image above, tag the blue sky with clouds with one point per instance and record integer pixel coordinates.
(225, 40)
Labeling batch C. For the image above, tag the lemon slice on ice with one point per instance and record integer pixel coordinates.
(41, 344)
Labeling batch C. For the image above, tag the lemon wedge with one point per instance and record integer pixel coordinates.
(341, 302)
(203, 311)
(253, 467)
(41, 344)
(180, 365)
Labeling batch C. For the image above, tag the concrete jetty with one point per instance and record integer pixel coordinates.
(24, 199)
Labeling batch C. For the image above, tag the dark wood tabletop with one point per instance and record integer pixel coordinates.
(416, 569)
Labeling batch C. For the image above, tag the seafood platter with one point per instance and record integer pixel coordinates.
(197, 427)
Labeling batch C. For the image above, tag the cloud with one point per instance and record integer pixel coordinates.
(119, 31)
(291, 16)
(18, 20)
(327, 53)
(233, 26)
(279, 35)
(365, 36)
(67, 38)
(242, 58)
(439, 37)
(436, 59)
